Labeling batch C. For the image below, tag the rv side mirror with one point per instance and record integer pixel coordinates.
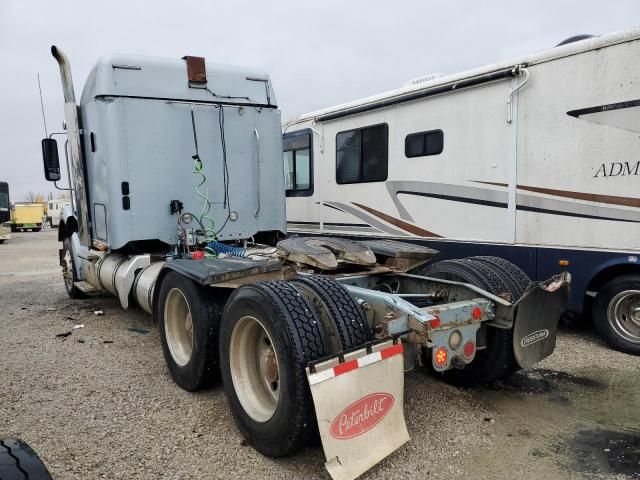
(50, 159)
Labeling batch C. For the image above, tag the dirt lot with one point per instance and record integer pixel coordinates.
(99, 403)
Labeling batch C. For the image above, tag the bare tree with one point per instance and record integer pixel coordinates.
(33, 197)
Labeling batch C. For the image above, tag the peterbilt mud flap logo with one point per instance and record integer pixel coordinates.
(361, 416)
(534, 337)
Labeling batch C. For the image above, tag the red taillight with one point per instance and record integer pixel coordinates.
(476, 313)
(435, 323)
(440, 357)
(469, 349)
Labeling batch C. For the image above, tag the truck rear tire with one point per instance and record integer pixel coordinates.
(269, 333)
(496, 361)
(69, 271)
(18, 461)
(616, 313)
(189, 316)
(343, 319)
(515, 279)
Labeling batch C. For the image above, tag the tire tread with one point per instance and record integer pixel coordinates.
(347, 315)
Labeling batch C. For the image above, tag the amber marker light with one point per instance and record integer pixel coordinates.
(440, 357)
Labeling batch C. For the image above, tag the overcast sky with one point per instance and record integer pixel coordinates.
(318, 53)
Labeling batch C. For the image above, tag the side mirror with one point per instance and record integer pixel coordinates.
(50, 159)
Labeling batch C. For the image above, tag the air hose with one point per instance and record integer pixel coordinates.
(219, 248)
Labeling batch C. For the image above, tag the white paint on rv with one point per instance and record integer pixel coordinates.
(548, 55)
(549, 159)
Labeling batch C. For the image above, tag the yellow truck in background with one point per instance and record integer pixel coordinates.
(27, 216)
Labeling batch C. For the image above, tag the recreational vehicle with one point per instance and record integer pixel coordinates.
(534, 160)
(54, 210)
(5, 212)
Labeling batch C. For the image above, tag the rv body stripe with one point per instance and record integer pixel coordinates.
(367, 218)
(570, 214)
(474, 201)
(528, 203)
(399, 223)
(589, 197)
(331, 224)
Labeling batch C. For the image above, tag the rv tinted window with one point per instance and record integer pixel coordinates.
(362, 155)
(298, 166)
(422, 144)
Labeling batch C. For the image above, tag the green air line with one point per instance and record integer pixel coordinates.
(206, 205)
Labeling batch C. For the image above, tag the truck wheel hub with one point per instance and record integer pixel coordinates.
(624, 315)
(254, 367)
(178, 327)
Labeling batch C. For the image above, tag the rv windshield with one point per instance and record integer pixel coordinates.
(297, 164)
(4, 202)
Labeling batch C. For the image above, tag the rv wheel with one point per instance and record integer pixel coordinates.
(497, 360)
(343, 319)
(616, 313)
(18, 461)
(69, 271)
(188, 316)
(269, 333)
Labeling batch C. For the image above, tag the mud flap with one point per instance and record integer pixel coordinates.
(360, 408)
(536, 323)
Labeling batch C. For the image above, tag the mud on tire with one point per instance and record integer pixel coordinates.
(296, 336)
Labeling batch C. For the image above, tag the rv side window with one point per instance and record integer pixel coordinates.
(362, 155)
(422, 144)
(298, 163)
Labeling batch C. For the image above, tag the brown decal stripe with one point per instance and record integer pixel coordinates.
(397, 222)
(590, 197)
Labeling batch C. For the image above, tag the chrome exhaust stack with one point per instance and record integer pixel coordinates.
(65, 74)
(71, 116)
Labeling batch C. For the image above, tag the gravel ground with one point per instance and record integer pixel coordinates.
(99, 402)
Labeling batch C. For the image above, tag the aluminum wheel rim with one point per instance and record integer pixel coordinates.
(623, 314)
(178, 326)
(255, 370)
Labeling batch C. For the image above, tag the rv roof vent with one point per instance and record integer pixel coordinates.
(420, 80)
(575, 38)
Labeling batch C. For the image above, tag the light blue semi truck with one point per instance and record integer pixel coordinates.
(179, 208)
